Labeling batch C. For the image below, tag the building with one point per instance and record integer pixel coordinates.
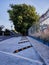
(44, 20)
(41, 26)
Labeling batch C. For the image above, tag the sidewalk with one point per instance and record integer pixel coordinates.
(42, 49)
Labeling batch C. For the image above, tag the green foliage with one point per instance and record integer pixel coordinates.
(23, 16)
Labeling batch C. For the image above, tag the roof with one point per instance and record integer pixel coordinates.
(44, 16)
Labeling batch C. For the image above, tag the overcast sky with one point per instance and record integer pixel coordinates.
(40, 5)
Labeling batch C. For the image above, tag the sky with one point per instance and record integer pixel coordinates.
(40, 5)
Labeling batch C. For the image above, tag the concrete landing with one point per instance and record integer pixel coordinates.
(42, 49)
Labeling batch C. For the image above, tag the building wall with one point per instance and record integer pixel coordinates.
(33, 29)
(45, 22)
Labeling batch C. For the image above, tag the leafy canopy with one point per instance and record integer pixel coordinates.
(23, 16)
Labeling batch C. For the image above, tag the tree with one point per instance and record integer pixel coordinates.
(7, 32)
(23, 16)
(1, 27)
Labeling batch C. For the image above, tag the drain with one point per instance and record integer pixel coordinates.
(24, 41)
(24, 38)
(16, 51)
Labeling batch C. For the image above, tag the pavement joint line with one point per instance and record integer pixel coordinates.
(28, 59)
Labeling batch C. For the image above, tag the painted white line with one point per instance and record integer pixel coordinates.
(31, 60)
